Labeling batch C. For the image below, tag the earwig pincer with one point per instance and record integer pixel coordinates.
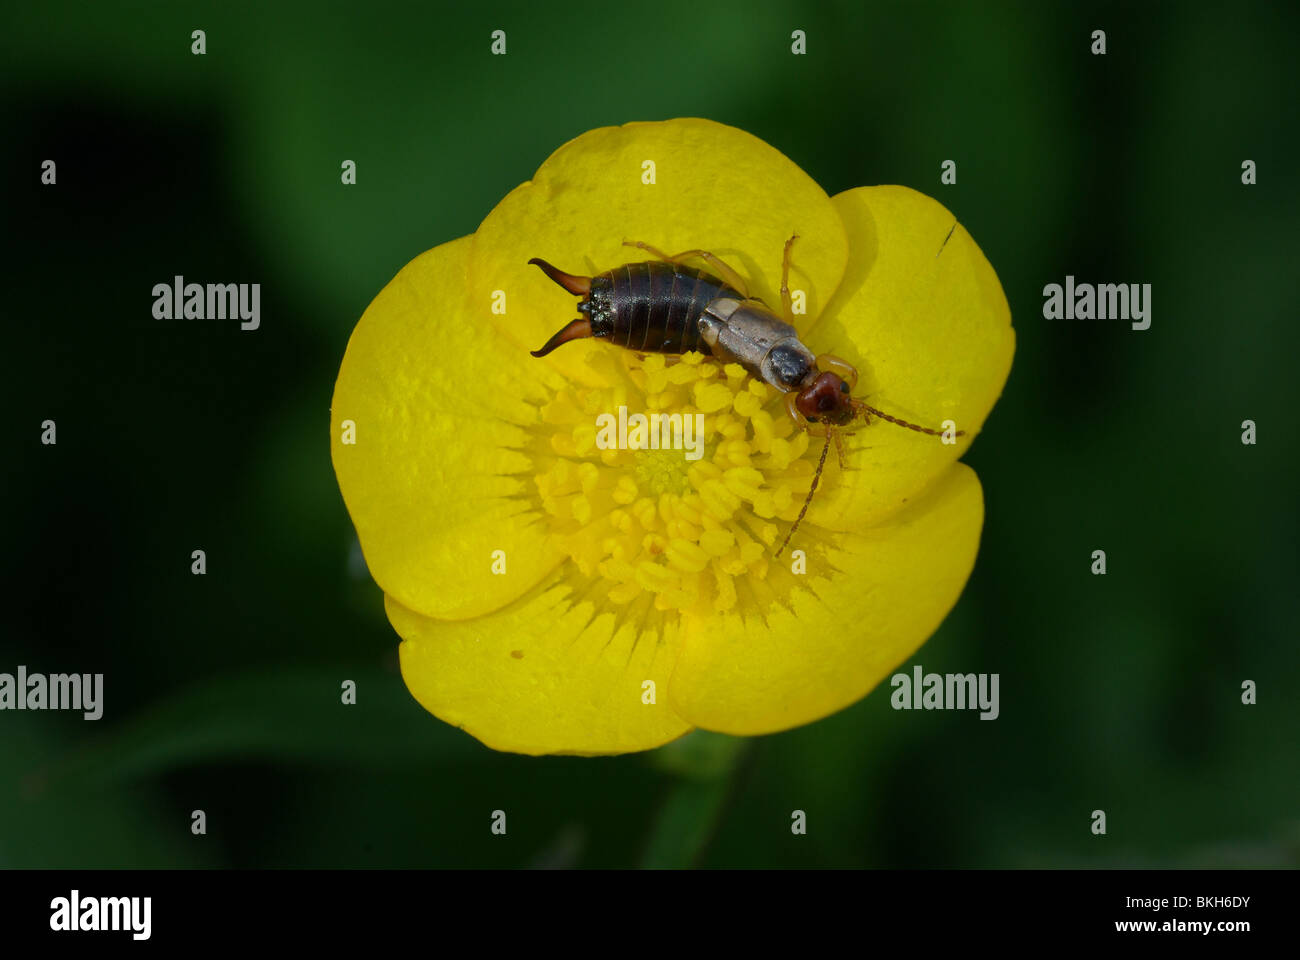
(665, 306)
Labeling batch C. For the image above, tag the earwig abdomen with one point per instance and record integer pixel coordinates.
(653, 307)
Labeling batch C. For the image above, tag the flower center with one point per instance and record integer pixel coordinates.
(673, 480)
(662, 471)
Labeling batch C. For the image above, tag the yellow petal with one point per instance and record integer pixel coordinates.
(716, 188)
(434, 481)
(856, 614)
(922, 316)
(545, 674)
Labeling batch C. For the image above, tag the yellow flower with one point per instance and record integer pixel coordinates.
(633, 576)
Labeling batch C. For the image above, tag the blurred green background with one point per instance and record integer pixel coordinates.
(1119, 692)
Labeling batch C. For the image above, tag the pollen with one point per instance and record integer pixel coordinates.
(675, 523)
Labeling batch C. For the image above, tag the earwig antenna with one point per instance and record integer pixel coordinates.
(902, 423)
(826, 448)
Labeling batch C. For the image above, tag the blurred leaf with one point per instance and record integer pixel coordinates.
(707, 763)
(63, 826)
(295, 715)
(700, 755)
(685, 824)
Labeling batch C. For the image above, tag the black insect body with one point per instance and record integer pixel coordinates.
(665, 306)
(652, 307)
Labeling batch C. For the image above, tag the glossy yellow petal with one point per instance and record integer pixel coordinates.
(435, 481)
(921, 314)
(857, 613)
(715, 188)
(550, 673)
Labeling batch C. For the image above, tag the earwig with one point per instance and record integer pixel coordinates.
(664, 306)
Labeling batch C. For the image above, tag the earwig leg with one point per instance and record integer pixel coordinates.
(785, 281)
(732, 278)
(642, 245)
(793, 411)
(841, 368)
(839, 448)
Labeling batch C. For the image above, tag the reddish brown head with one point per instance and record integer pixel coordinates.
(826, 400)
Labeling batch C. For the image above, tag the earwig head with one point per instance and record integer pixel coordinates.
(826, 400)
